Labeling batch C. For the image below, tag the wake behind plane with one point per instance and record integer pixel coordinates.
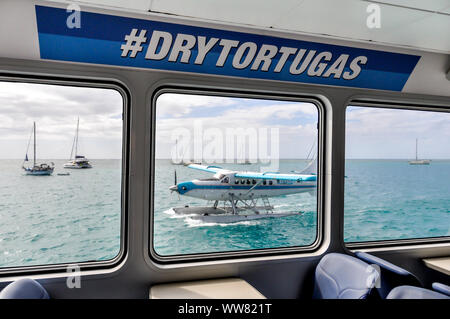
(240, 191)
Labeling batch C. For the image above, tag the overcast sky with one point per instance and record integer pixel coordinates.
(391, 133)
(371, 132)
(295, 122)
(55, 110)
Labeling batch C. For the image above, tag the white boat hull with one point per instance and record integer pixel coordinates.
(30, 171)
(420, 162)
(77, 166)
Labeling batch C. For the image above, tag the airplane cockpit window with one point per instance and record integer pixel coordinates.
(397, 174)
(60, 174)
(256, 140)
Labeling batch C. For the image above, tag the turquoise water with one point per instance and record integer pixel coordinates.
(175, 234)
(59, 219)
(179, 235)
(390, 199)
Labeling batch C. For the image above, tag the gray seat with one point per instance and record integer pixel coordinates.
(340, 276)
(410, 292)
(24, 289)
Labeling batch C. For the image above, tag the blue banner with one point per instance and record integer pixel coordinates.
(115, 40)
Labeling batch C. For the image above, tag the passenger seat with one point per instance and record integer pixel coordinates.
(24, 289)
(411, 292)
(340, 276)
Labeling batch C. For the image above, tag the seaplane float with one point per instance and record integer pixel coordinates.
(241, 195)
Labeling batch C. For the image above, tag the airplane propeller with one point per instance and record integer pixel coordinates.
(174, 188)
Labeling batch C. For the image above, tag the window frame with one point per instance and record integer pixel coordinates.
(386, 243)
(124, 92)
(199, 258)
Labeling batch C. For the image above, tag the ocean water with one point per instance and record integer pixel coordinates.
(390, 199)
(59, 219)
(175, 234)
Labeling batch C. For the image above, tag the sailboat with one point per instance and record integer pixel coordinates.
(77, 161)
(37, 170)
(174, 162)
(182, 160)
(418, 161)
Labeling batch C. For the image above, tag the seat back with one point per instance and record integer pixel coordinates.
(340, 276)
(443, 289)
(24, 289)
(410, 292)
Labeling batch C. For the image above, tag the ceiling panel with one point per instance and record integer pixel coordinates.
(418, 24)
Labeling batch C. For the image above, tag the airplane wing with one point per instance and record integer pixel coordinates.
(210, 168)
(286, 177)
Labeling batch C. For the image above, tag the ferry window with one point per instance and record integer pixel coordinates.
(60, 174)
(397, 174)
(254, 139)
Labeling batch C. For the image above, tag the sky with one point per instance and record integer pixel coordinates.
(289, 126)
(379, 133)
(55, 110)
(282, 128)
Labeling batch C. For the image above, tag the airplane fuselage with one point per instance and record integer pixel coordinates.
(238, 188)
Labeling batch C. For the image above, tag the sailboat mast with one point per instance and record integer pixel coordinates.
(76, 138)
(416, 149)
(34, 142)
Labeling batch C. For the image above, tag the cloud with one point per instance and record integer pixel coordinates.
(391, 133)
(178, 105)
(55, 109)
(295, 121)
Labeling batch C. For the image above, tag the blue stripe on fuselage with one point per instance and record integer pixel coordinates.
(191, 186)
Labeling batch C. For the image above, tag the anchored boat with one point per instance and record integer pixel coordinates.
(37, 169)
(77, 161)
(417, 161)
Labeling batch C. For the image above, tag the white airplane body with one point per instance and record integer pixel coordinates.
(228, 185)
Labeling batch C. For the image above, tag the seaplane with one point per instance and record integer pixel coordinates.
(240, 192)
